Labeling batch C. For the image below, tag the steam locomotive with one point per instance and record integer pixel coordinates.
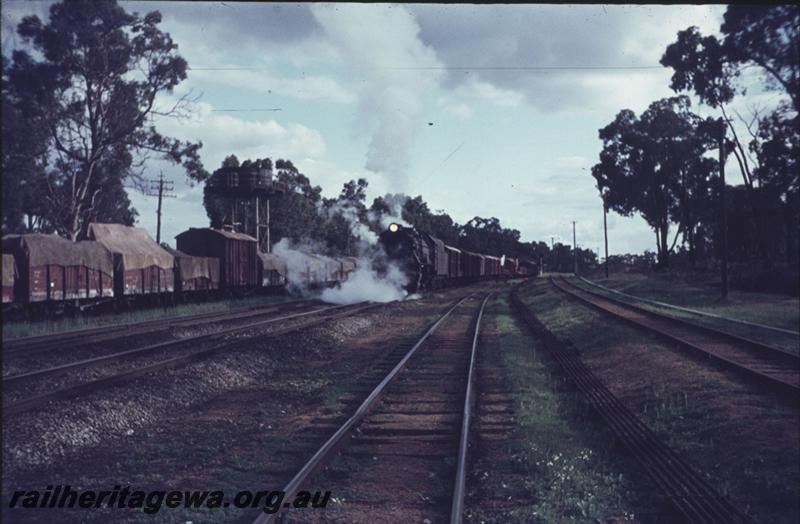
(429, 263)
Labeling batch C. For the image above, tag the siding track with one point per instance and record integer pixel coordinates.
(691, 497)
(772, 367)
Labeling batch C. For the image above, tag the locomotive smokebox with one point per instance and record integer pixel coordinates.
(407, 250)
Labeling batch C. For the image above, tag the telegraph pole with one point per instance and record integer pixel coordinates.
(724, 210)
(605, 232)
(574, 250)
(553, 252)
(157, 188)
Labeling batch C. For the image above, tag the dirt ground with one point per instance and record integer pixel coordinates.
(247, 420)
(245, 434)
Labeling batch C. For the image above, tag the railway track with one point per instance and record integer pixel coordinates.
(26, 346)
(691, 497)
(773, 367)
(412, 430)
(19, 405)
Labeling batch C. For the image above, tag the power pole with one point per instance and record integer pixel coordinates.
(157, 188)
(553, 252)
(724, 210)
(574, 251)
(605, 232)
(269, 240)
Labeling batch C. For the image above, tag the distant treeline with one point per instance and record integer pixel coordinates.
(339, 226)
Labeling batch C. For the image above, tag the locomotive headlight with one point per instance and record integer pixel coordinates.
(394, 228)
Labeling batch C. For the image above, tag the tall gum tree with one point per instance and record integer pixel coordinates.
(761, 36)
(92, 80)
(654, 165)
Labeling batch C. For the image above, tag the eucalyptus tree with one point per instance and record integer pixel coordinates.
(654, 165)
(95, 79)
(765, 37)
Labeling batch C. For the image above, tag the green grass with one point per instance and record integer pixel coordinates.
(20, 328)
(742, 437)
(573, 472)
(767, 308)
(772, 310)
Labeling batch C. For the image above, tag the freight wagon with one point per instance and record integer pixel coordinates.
(194, 274)
(51, 269)
(141, 267)
(429, 263)
(237, 253)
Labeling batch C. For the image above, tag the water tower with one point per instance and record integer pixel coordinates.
(243, 188)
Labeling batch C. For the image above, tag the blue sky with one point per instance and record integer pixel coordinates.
(358, 86)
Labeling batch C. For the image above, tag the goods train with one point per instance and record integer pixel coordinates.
(429, 263)
(123, 265)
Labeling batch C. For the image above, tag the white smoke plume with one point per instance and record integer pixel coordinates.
(365, 285)
(395, 72)
(307, 269)
(303, 268)
(395, 214)
(366, 237)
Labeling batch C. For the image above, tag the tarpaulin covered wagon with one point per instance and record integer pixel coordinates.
(349, 264)
(9, 278)
(53, 268)
(193, 273)
(141, 266)
(273, 270)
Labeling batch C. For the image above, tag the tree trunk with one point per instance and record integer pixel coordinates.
(662, 242)
(789, 226)
(748, 184)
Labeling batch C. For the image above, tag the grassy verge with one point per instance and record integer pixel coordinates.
(572, 470)
(20, 328)
(765, 308)
(738, 434)
(776, 339)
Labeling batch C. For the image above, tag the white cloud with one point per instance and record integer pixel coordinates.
(223, 134)
(306, 87)
(501, 46)
(486, 92)
(462, 111)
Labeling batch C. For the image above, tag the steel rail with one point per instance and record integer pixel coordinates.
(91, 362)
(327, 450)
(692, 311)
(40, 343)
(770, 378)
(695, 500)
(76, 390)
(459, 488)
(782, 354)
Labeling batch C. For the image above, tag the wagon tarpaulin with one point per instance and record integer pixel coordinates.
(272, 262)
(196, 267)
(43, 250)
(137, 248)
(9, 270)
